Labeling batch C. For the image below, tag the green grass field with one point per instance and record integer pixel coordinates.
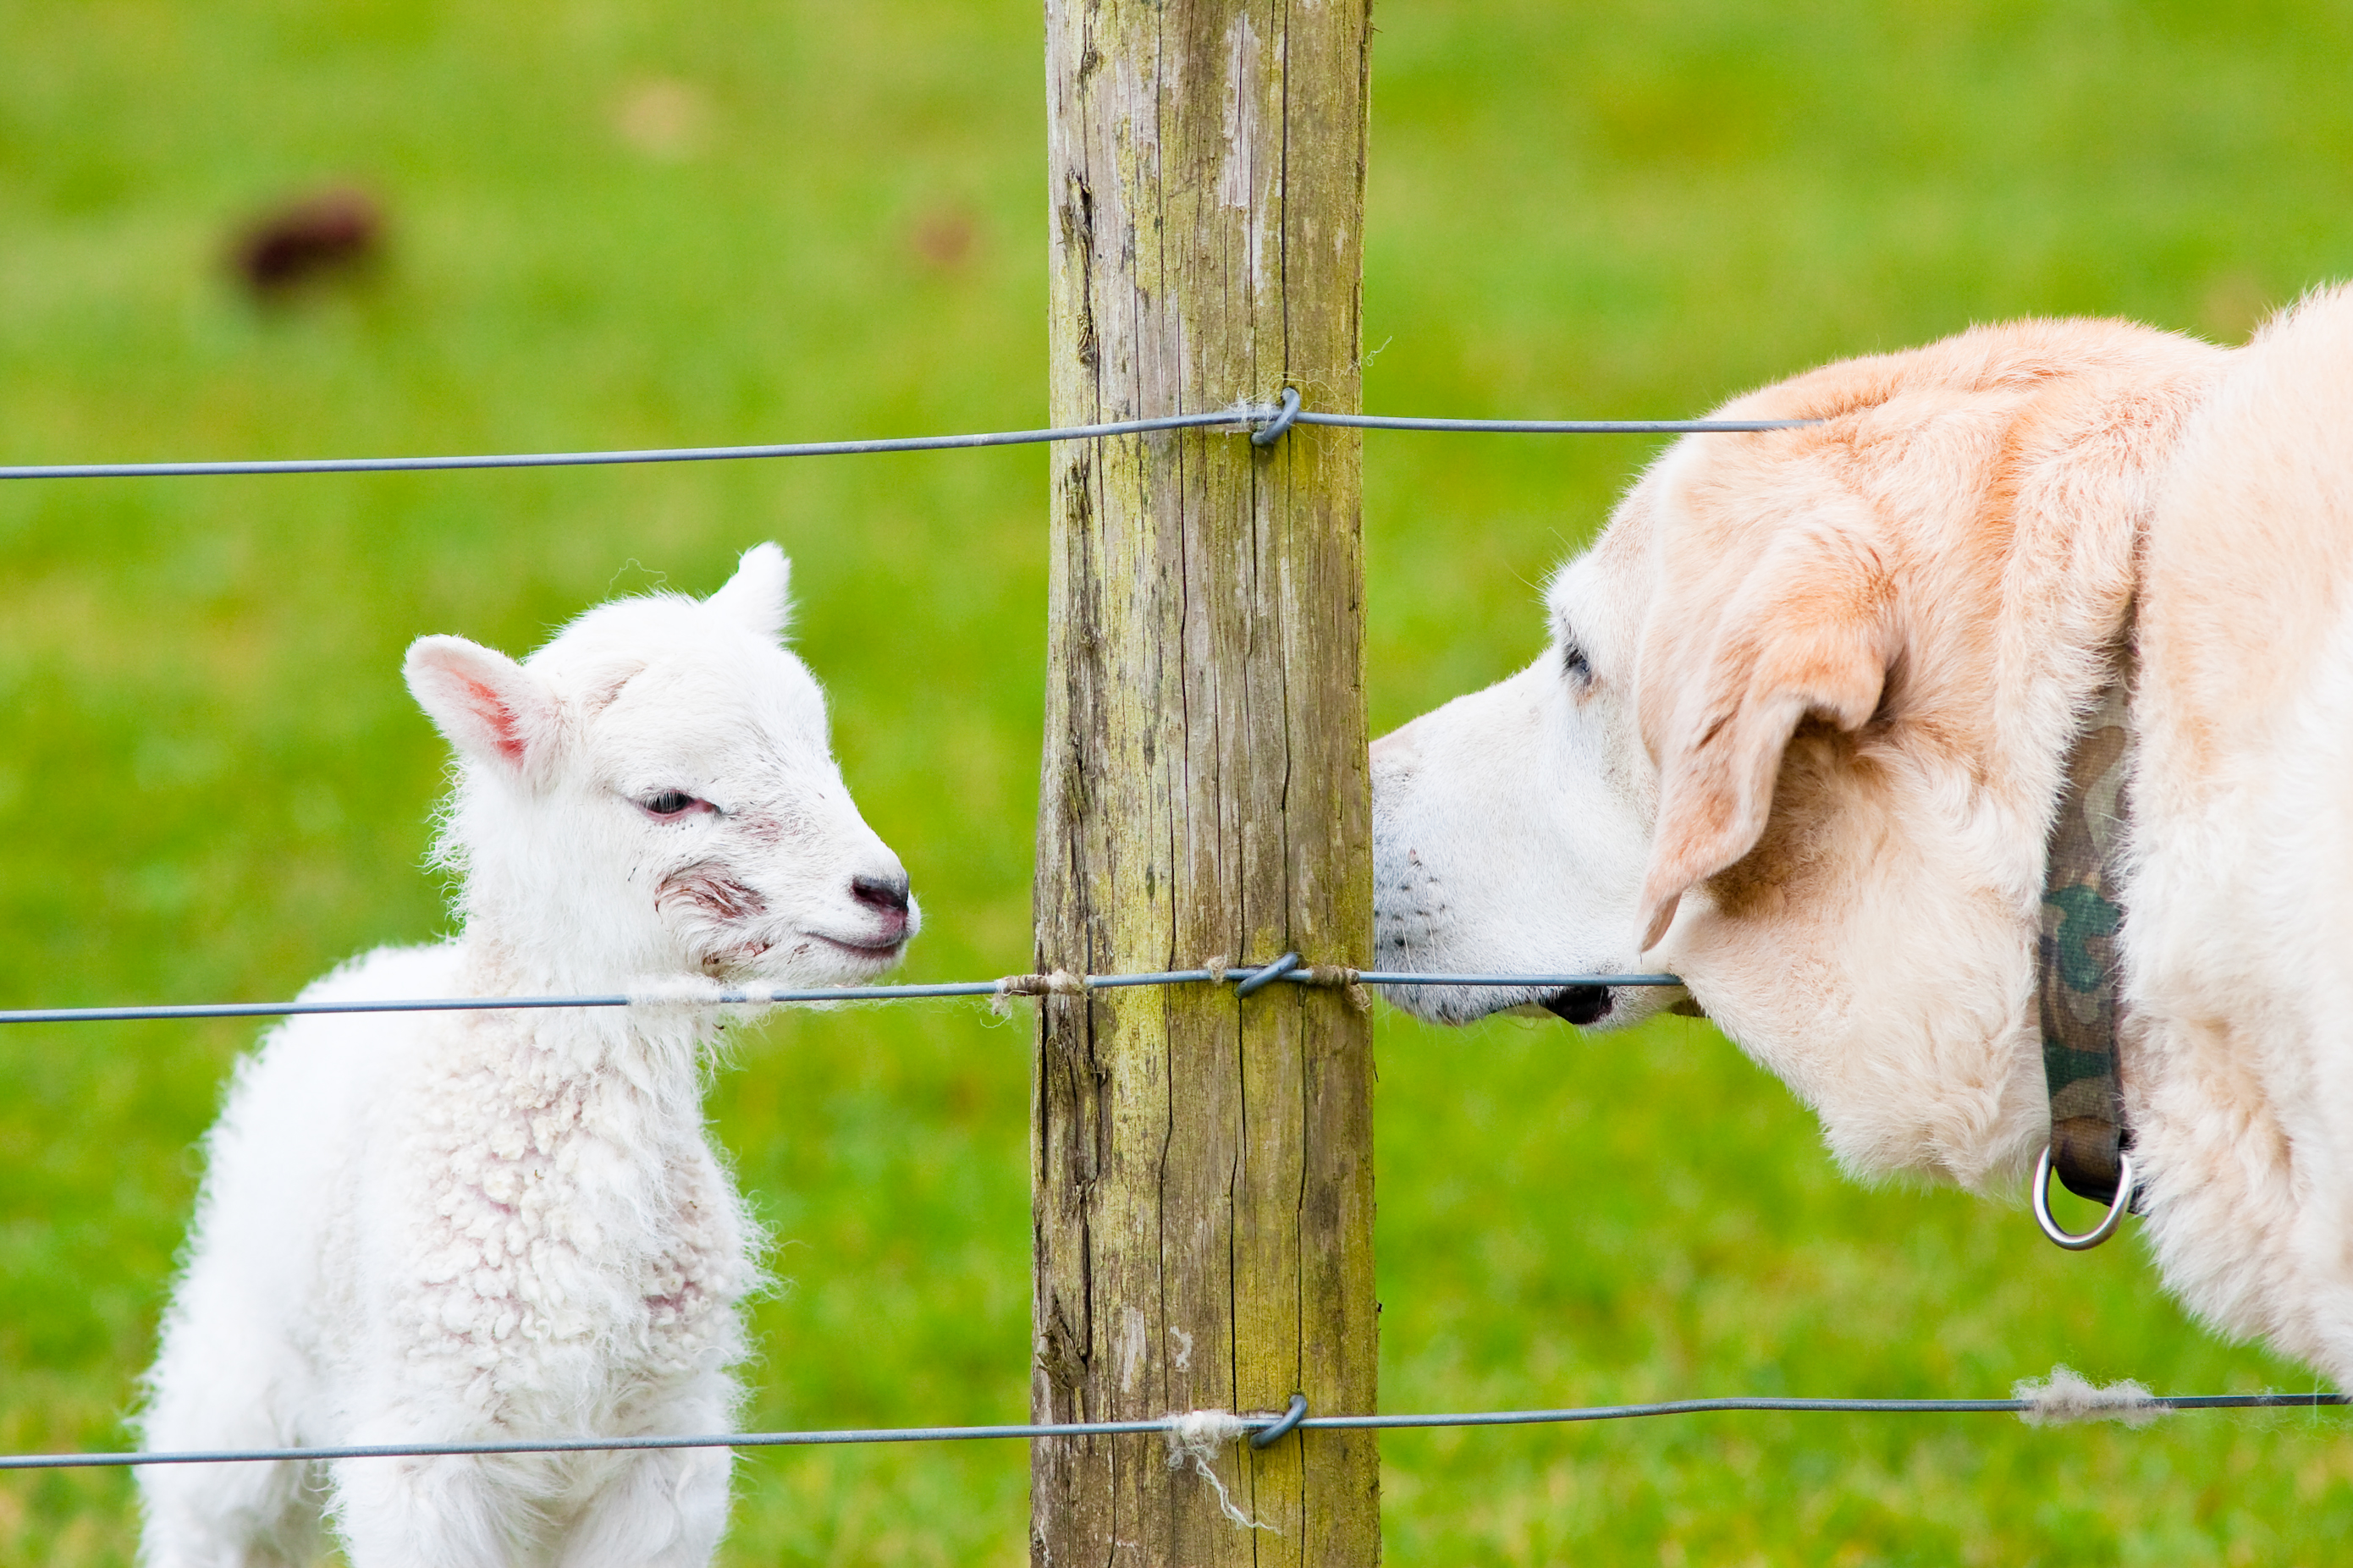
(625, 224)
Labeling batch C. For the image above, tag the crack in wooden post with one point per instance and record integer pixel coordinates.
(1203, 1199)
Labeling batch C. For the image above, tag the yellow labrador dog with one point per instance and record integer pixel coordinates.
(1808, 720)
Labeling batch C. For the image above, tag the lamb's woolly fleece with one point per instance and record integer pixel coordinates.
(442, 1227)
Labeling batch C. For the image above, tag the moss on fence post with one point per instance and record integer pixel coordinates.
(1203, 1194)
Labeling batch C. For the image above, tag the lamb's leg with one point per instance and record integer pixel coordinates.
(228, 1516)
(662, 1508)
(457, 1511)
(216, 1385)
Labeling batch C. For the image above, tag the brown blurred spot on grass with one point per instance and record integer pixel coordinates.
(664, 119)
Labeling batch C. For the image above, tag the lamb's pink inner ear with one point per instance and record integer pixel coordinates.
(486, 704)
(759, 595)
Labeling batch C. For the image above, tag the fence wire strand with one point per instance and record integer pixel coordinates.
(761, 996)
(1241, 419)
(1250, 1422)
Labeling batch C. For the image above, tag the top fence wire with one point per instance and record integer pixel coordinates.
(1258, 419)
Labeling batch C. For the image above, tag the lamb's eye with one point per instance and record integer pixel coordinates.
(1573, 663)
(671, 802)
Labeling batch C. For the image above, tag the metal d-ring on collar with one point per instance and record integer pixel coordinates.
(2108, 1222)
(2076, 963)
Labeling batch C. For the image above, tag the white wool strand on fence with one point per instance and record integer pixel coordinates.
(2067, 1395)
(1196, 1435)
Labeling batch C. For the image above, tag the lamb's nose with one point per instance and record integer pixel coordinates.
(886, 894)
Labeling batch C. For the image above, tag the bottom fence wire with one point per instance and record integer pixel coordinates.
(2121, 1408)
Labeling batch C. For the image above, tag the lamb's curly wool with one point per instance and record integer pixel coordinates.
(449, 1227)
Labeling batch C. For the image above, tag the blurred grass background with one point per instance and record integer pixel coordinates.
(614, 224)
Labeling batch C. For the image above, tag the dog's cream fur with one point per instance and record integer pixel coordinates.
(434, 1227)
(1799, 735)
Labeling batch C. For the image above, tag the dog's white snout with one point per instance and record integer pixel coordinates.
(1502, 845)
(1396, 754)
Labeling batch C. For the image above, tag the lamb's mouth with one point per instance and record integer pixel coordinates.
(1583, 1006)
(869, 952)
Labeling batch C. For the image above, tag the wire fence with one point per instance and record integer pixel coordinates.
(1264, 424)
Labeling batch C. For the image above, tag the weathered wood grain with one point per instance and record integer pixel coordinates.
(1203, 1165)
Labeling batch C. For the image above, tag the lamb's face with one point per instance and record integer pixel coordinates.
(654, 792)
(730, 823)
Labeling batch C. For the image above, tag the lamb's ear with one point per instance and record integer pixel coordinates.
(759, 594)
(1810, 629)
(489, 708)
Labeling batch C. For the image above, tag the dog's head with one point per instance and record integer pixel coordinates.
(1798, 732)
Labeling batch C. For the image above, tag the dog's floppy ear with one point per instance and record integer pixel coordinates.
(1807, 628)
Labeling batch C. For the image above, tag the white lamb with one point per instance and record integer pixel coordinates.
(449, 1227)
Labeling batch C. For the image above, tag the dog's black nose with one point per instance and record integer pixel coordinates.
(1581, 1005)
(888, 894)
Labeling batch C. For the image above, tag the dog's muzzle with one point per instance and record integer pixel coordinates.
(1580, 1005)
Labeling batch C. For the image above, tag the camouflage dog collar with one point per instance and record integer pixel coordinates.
(2075, 980)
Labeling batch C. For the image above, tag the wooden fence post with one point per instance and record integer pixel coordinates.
(1203, 1181)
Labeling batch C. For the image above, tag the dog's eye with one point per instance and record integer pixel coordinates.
(672, 803)
(1573, 663)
